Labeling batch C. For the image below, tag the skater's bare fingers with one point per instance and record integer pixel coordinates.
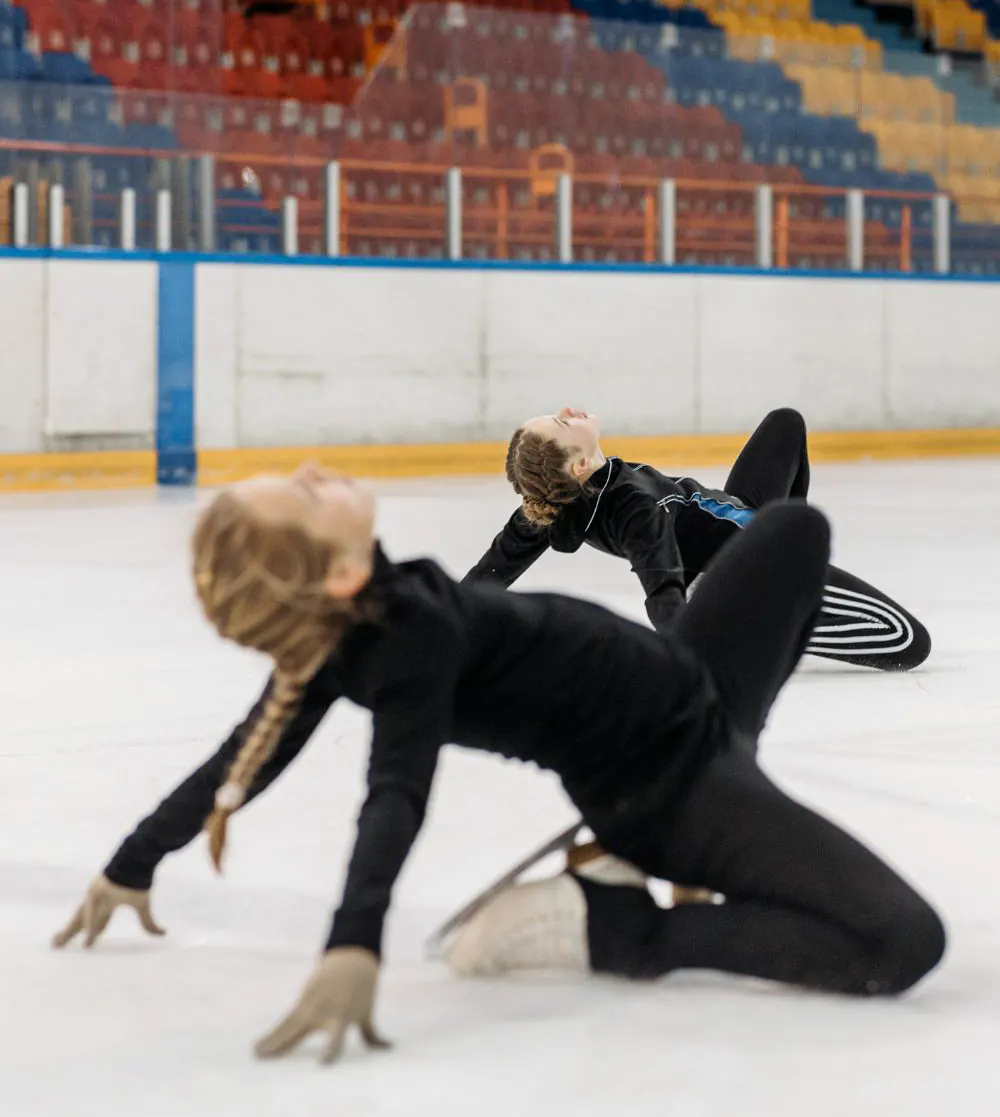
(70, 931)
(286, 1036)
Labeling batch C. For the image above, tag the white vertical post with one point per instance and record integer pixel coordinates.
(764, 209)
(290, 226)
(331, 209)
(942, 234)
(21, 215)
(126, 220)
(164, 218)
(564, 218)
(453, 213)
(856, 230)
(667, 205)
(56, 202)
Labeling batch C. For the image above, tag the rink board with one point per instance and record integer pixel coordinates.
(123, 367)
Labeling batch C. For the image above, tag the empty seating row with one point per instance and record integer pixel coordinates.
(943, 151)
(757, 38)
(868, 94)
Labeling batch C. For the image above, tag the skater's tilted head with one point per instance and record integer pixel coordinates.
(278, 563)
(551, 458)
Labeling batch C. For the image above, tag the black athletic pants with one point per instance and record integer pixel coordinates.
(805, 902)
(858, 623)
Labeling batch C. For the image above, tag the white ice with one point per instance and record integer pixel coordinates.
(113, 688)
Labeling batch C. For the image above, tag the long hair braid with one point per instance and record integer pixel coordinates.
(536, 468)
(280, 706)
(261, 585)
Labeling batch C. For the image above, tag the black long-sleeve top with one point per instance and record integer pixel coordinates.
(667, 527)
(624, 717)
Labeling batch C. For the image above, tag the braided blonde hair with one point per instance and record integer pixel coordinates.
(536, 467)
(260, 584)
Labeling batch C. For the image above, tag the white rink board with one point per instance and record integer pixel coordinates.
(101, 347)
(22, 328)
(311, 355)
(295, 354)
(114, 689)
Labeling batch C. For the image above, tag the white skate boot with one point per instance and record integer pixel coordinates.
(538, 925)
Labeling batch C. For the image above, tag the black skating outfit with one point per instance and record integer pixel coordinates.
(654, 740)
(670, 528)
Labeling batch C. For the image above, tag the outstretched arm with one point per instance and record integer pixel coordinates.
(645, 533)
(179, 818)
(516, 547)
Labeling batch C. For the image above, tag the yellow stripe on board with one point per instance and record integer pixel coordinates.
(219, 467)
(99, 469)
(127, 469)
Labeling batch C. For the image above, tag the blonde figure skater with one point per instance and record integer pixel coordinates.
(653, 738)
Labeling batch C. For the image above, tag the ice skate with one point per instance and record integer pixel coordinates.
(541, 924)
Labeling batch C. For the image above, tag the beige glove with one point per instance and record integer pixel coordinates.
(94, 914)
(340, 992)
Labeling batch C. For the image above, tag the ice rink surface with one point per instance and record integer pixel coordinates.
(113, 688)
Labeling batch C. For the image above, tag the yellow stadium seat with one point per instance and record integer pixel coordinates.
(978, 198)
(971, 31)
(989, 142)
(962, 148)
(917, 148)
(957, 27)
(826, 90)
(873, 101)
(793, 9)
(931, 104)
(923, 14)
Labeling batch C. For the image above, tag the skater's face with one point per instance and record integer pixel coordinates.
(577, 432)
(329, 506)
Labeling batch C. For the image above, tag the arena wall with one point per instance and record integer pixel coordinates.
(403, 369)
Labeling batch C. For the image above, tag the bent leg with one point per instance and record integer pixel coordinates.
(805, 904)
(774, 464)
(859, 624)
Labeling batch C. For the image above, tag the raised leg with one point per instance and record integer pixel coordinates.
(774, 464)
(755, 607)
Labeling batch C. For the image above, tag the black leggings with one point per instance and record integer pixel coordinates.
(805, 902)
(858, 624)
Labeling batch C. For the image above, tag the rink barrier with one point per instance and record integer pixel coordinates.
(138, 469)
(169, 349)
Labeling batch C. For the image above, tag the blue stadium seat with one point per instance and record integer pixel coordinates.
(17, 65)
(13, 22)
(149, 137)
(64, 68)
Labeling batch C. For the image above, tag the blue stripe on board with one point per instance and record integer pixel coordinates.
(258, 259)
(176, 461)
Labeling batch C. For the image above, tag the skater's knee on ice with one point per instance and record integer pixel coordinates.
(787, 420)
(916, 945)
